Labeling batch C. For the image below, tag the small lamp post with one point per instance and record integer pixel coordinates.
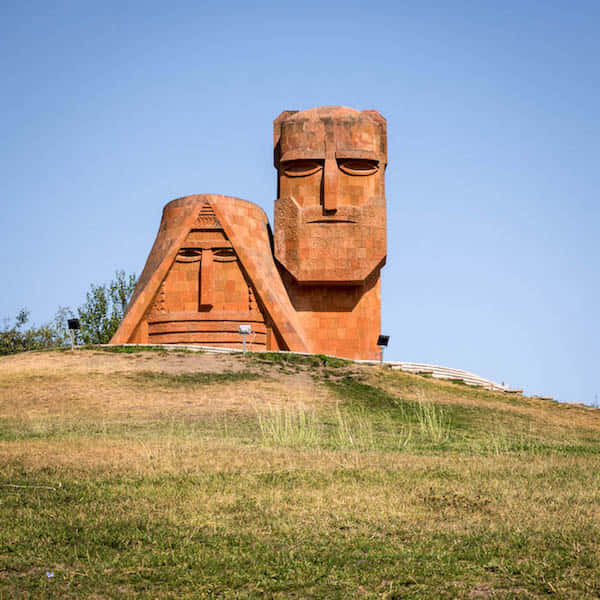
(244, 330)
(73, 325)
(382, 342)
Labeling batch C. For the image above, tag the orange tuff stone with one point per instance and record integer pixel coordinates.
(330, 224)
(212, 266)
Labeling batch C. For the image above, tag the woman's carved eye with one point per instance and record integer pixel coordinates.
(358, 166)
(301, 168)
(189, 255)
(224, 255)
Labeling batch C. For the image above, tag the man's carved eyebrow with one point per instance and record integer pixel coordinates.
(302, 155)
(357, 154)
(309, 154)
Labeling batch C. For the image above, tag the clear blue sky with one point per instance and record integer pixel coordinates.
(109, 110)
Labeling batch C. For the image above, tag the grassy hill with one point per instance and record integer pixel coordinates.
(154, 474)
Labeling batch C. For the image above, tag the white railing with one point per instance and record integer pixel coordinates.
(453, 374)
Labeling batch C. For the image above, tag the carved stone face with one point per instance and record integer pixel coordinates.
(330, 221)
(205, 294)
(206, 277)
(210, 270)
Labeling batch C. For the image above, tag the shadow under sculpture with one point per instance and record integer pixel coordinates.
(212, 266)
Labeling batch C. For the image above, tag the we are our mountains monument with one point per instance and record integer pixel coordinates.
(312, 285)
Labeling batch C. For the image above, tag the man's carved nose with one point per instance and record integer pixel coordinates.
(330, 185)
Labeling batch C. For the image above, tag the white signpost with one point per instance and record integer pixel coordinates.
(244, 330)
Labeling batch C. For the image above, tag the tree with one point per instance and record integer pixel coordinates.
(99, 316)
(104, 308)
(17, 339)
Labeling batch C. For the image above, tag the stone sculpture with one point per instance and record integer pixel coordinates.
(211, 268)
(316, 288)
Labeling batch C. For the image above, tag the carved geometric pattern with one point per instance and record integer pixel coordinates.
(159, 303)
(251, 301)
(207, 218)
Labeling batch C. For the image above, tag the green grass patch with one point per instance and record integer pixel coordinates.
(240, 535)
(425, 426)
(191, 379)
(299, 360)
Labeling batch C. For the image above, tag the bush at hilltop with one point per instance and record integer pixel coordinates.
(99, 316)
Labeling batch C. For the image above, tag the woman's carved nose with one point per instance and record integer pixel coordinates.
(206, 279)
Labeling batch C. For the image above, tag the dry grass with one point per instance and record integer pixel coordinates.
(86, 361)
(128, 477)
(61, 387)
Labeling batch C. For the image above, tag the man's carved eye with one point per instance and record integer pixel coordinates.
(301, 168)
(189, 255)
(358, 166)
(224, 255)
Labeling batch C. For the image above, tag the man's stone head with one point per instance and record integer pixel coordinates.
(330, 223)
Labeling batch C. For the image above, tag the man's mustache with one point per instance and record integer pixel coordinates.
(344, 213)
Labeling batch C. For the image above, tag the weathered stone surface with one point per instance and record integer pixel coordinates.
(330, 224)
(210, 269)
(212, 266)
(330, 221)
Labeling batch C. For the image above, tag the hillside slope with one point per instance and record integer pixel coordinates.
(169, 474)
